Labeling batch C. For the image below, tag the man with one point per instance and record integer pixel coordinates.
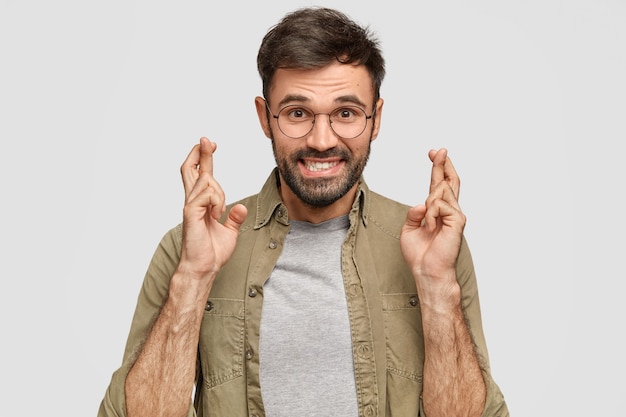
(317, 296)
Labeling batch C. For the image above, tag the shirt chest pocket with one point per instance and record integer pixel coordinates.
(221, 342)
(404, 335)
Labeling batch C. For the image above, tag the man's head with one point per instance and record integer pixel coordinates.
(312, 38)
(321, 107)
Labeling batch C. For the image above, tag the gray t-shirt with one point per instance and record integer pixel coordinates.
(306, 366)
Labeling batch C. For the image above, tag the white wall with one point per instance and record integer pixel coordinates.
(100, 102)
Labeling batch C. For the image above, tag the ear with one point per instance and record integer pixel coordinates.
(377, 118)
(261, 111)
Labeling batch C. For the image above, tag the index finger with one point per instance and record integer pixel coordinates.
(437, 174)
(205, 163)
(189, 169)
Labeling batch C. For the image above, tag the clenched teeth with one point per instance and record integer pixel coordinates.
(320, 166)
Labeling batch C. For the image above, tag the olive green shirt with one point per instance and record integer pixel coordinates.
(384, 312)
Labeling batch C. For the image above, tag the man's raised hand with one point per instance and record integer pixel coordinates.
(207, 244)
(431, 236)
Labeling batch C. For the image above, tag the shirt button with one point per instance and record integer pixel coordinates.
(209, 306)
(273, 244)
(252, 293)
(249, 354)
(353, 290)
(364, 351)
(413, 301)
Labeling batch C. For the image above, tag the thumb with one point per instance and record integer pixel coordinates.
(236, 217)
(415, 216)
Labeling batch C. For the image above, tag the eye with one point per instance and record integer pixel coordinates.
(347, 114)
(297, 113)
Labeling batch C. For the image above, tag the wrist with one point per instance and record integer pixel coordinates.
(195, 270)
(438, 293)
(189, 286)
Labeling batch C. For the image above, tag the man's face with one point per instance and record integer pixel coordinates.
(321, 167)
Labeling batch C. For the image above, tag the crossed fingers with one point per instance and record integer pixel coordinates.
(443, 171)
(201, 188)
(442, 200)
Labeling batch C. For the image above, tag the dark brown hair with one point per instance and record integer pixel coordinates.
(314, 37)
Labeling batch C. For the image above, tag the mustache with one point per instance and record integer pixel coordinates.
(330, 153)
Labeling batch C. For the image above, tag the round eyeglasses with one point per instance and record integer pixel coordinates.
(296, 121)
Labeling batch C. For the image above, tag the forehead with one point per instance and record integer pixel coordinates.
(322, 86)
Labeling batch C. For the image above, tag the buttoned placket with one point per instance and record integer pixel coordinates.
(360, 323)
(271, 238)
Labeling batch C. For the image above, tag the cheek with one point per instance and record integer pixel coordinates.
(358, 148)
(283, 148)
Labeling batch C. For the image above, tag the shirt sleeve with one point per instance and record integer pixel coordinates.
(495, 405)
(149, 302)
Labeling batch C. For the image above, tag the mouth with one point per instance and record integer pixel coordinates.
(318, 168)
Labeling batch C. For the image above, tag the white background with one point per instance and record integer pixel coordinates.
(100, 102)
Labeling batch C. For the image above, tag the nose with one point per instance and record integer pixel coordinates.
(322, 137)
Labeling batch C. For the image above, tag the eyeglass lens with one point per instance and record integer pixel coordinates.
(297, 121)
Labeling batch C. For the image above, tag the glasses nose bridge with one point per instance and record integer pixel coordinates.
(330, 122)
(323, 138)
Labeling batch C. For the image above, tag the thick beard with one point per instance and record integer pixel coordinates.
(320, 192)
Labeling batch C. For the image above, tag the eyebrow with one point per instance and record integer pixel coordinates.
(350, 98)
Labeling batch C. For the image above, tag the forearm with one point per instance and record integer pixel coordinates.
(453, 382)
(160, 382)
